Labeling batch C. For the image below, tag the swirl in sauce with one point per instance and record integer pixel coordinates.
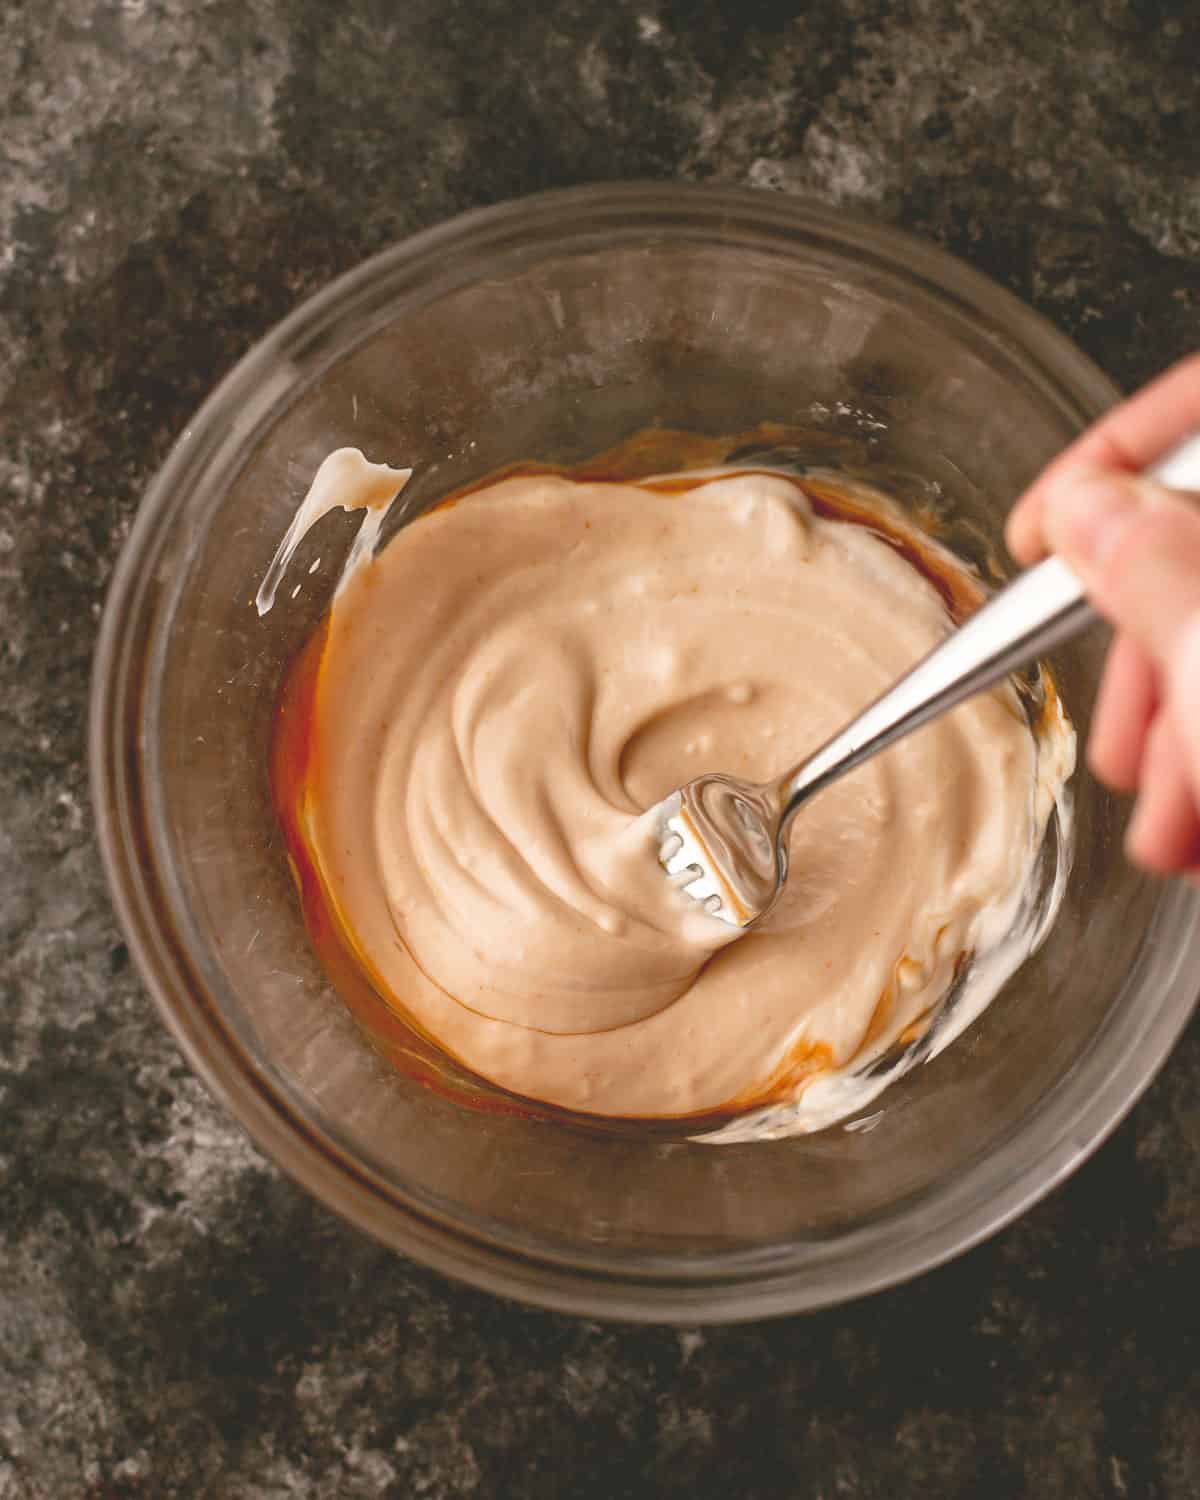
(497, 697)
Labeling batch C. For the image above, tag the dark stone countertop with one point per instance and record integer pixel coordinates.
(177, 1319)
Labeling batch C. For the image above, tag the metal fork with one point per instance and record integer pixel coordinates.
(724, 840)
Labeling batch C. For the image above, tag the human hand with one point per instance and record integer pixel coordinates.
(1136, 546)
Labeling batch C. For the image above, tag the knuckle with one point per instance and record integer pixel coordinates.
(1156, 550)
(1187, 368)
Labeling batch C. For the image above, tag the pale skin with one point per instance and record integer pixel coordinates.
(1137, 548)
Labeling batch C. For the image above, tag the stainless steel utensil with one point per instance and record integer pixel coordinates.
(724, 840)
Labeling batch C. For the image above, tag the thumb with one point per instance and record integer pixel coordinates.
(1136, 546)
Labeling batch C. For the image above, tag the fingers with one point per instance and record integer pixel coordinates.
(1125, 707)
(1136, 546)
(1182, 693)
(1164, 834)
(1131, 437)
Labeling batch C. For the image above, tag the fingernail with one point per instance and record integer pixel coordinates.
(1087, 513)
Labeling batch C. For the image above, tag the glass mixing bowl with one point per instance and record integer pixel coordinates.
(553, 328)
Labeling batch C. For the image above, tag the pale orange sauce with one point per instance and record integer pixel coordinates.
(296, 777)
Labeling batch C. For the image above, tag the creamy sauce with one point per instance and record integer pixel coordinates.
(501, 693)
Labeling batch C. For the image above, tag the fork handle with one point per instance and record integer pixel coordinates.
(1031, 615)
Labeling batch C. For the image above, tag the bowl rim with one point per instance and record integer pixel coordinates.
(1086, 1104)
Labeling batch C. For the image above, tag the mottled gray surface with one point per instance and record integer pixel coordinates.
(175, 1319)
